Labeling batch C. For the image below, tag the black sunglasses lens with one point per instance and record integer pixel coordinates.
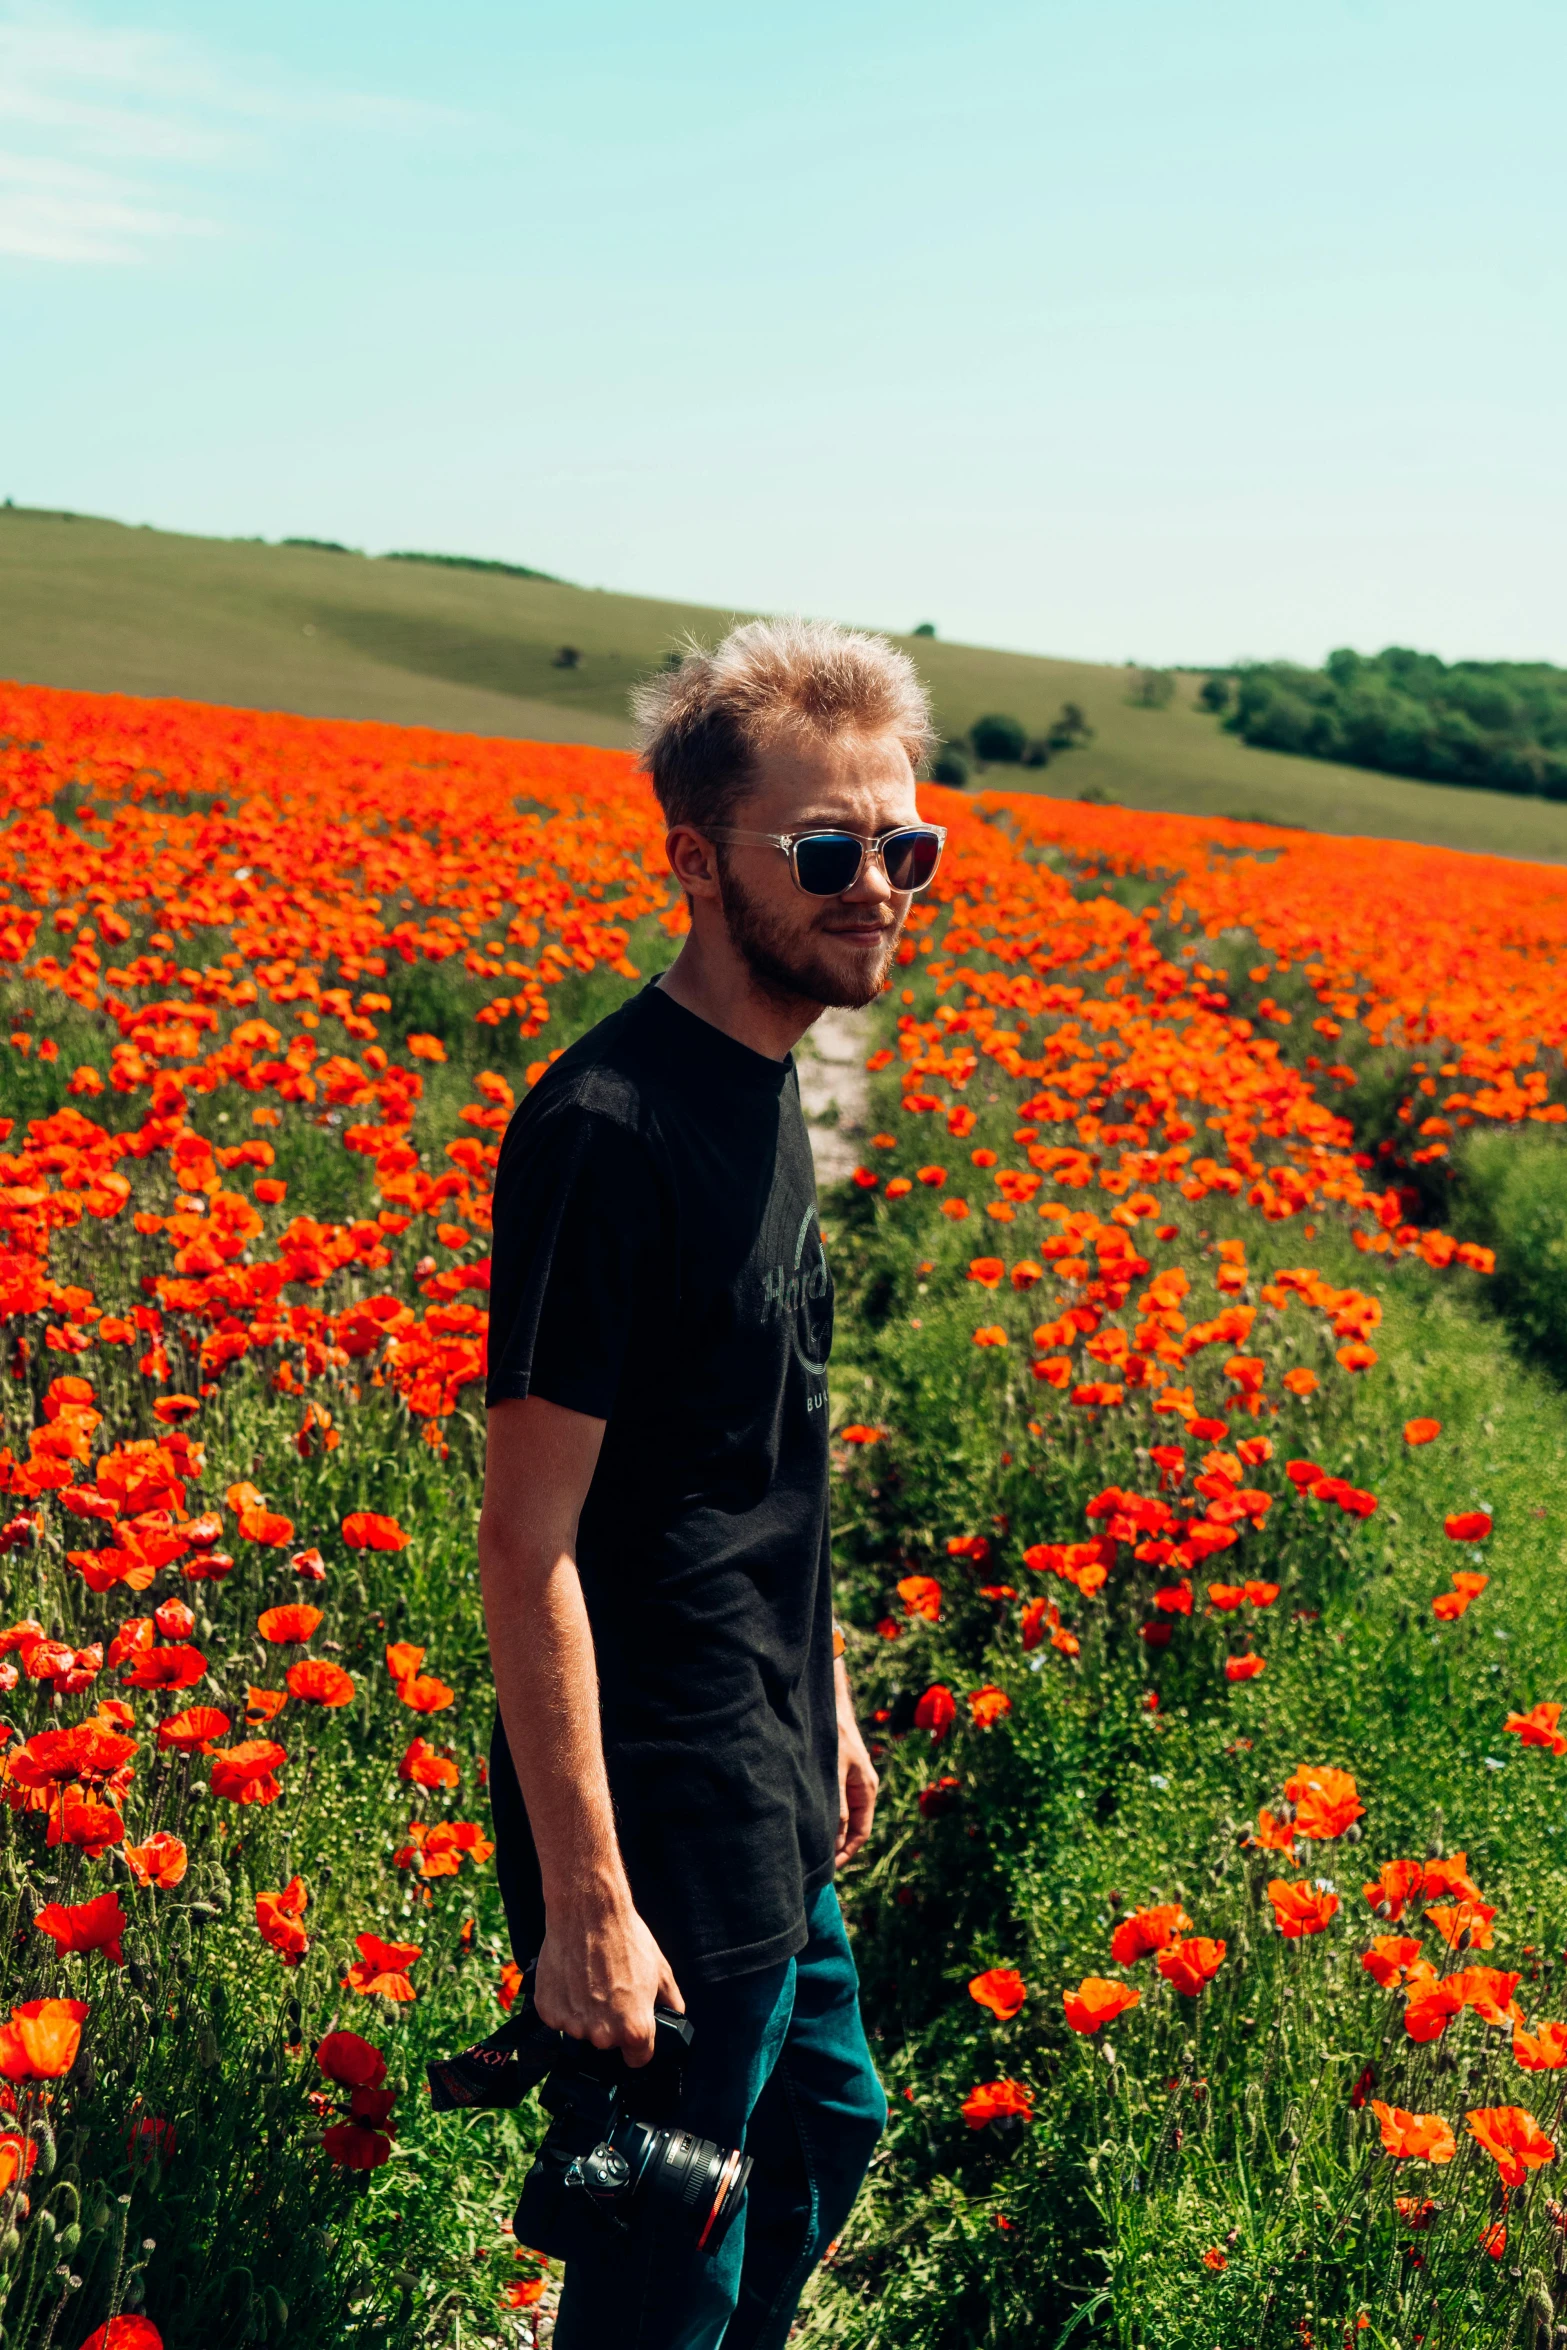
(911, 858)
(826, 863)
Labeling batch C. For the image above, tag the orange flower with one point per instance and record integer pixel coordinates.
(1300, 1908)
(295, 1621)
(1300, 1381)
(381, 1969)
(319, 1682)
(993, 2101)
(244, 1773)
(1148, 1930)
(921, 1596)
(1538, 1726)
(426, 1767)
(1244, 1668)
(263, 1705)
(1544, 2050)
(988, 1706)
(1390, 1958)
(1001, 1989)
(196, 1730)
(160, 1861)
(989, 1272)
(1214, 2258)
(1097, 2001)
(1421, 1431)
(1464, 1922)
(1325, 1800)
(277, 1920)
(86, 1926)
(41, 2039)
(1191, 1964)
(176, 1667)
(267, 1527)
(1417, 2137)
(1274, 1835)
(1513, 2139)
(1467, 1526)
(368, 1530)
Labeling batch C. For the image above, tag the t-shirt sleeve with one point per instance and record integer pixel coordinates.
(574, 1257)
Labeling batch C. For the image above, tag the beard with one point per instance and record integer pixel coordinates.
(790, 968)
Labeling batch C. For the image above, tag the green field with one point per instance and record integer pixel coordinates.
(102, 607)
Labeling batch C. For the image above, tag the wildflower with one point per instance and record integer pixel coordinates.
(1148, 1930)
(310, 1565)
(1243, 1668)
(320, 1682)
(1097, 2001)
(1300, 1381)
(85, 1926)
(939, 1796)
(426, 1767)
(1191, 1964)
(1300, 1908)
(1463, 1924)
(1513, 2139)
(988, 1706)
(176, 1667)
(1419, 2137)
(1391, 1958)
(381, 1969)
(295, 1621)
(245, 1773)
(989, 1272)
(936, 1711)
(994, 2101)
(1214, 2258)
(40, 2041)
(1325, 1800)
(351, 2062)
(196, 1730)
(1467, 1526)
(369, 1530)
(921, 1596)
(1544, 2050)
(161, 1861)
(125, 2333)
(1001, 1989)
(1421, 1431)
(1538, 1726)
(277, 1921)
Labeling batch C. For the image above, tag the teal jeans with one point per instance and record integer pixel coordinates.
(778, 2065)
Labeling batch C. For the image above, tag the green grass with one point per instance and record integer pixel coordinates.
(106, 608)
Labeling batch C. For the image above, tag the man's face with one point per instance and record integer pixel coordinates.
(819, 950)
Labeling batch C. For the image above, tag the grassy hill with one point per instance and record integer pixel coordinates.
(104, 607)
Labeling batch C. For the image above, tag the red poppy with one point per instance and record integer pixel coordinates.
(125, 2333)
(1191, 1964)
(1300, 1908)
(161, 1861)
(1544, 2050)
(293, 1621)
(1097, 2001)
(1418, 2137)
(425, 1766)
(174, 1620)
(1421, 1431)
(1467, 1526)
(351, 2062)
(177, 1667)
(381, 1969)
(424, 1694)
(1244, 1668)
(1513, 2139)
(1325, 1800)
(268, 1527)
(352, 2145)
(40, 2041)
(921, 1596)
(936, 1711)
(85, 1926)
(994, 2101)
(368, 1530)
(277, 1921)
(1002, 1990)
(1147, 1930)
(988, 1706)
(195, 1731)
(310, 1565)
(320, 1682)
(1538, 1726)
(244, 1773)
(1391, 1958)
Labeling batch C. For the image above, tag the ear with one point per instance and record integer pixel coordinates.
(693, 861)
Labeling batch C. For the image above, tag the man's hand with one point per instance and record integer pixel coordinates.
(857, 1780)
(601, 1974)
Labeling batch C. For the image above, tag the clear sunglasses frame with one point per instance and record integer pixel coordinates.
(870, 845)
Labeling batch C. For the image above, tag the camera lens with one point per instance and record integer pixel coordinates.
(690, 2177)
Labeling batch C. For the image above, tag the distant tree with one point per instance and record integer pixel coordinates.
(1069, 728)
(1036, 753)
(1214, 694)
(1152, 689)
(999, 738)
(924, 628)
(950, 766)
(568, 657)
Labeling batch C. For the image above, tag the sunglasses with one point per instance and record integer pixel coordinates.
(825, 864)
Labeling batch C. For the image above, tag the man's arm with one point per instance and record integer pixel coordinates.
(600, 1971)
(857, 1780)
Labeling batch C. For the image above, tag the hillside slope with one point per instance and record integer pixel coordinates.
(104, 607)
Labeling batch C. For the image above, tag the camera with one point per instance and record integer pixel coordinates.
(613, 2154)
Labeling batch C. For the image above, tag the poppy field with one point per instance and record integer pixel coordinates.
(1199, 1536)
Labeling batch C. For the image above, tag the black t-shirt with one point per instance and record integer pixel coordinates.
(658, 1264)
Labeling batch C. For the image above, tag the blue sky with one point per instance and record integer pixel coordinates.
(1154, 329)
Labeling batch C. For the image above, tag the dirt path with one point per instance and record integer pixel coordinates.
(834, 1087)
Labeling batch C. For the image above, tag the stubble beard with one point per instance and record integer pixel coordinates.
(785, 967)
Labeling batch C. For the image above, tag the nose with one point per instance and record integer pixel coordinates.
(872, 887)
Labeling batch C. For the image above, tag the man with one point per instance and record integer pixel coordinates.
(676, 1769)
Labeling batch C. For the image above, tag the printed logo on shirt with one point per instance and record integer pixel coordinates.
(801, 1294)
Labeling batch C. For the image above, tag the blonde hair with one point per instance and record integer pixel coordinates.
(701, 723)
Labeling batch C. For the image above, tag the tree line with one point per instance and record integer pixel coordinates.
(1501, 725)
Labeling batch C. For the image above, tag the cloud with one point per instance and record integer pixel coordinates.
(112, 136)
